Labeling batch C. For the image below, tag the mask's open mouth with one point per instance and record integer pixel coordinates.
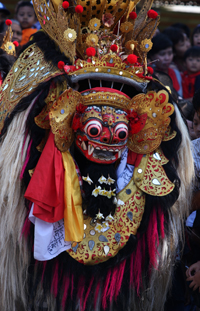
(100, 153)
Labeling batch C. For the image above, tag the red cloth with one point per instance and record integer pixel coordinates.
(134, 158)
(188, 84)
(46, 187)
(173, 76)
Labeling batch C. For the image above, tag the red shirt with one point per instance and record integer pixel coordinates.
(188, 84)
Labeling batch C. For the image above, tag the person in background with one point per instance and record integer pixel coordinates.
(26, 16)
(193, 272)
(184, 28)
(180, 45)
(161, 56)
(4, 13)
(196, 36)
(17, 31)
(191, 77)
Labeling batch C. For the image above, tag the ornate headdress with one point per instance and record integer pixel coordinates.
(8, 46)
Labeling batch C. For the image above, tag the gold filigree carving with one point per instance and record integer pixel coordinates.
(29, 70)
(105, 245)
(158, 110)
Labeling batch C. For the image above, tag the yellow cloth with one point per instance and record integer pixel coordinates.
(73, 213)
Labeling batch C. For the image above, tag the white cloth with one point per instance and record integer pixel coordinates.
(49, 238)
(124, 172)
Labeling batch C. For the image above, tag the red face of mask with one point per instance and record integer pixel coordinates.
(102, 134)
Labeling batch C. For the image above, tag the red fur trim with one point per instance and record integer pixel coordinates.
(113, 283)
(137, 265)
(120, 278)
(87, 294)
(66, 282)
(81, 288)
(54, 285)
(97, 293)
(153, 239)
(105, 290)
(162, 222)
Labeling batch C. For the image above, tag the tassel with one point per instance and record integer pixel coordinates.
(153, 239)
(81, 288)
(113, 283)
(162, 223)
(136, 258)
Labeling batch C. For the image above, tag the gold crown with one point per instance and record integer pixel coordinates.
(96, 26)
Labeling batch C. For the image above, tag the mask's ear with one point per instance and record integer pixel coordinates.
(61, 117)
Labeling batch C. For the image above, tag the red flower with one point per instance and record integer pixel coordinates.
(61, 64)
(80, 108)
(16, 43)
(136, 122)
(65, 5)
(114, 48)
(76, 123)
(132, 58)
(133, 15)
(8, 22)
(152, 14)
(79, 9)
(90, 51)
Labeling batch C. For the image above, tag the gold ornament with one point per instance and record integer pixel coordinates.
(70, 35)
(146, 45)
(92, 40)
(131, 45)
(126, 27)
(158, 110)
(94, 24)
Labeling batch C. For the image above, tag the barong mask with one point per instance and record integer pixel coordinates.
(101, 131)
